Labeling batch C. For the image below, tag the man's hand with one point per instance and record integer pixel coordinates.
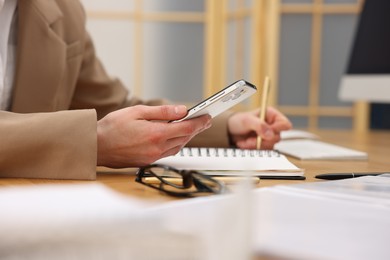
(244, 127)
(140, 135)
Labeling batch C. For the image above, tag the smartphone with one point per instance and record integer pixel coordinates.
(222, 100)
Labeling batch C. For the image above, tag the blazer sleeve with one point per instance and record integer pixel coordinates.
(56, 145)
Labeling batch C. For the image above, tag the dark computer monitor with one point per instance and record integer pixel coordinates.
(367, 75)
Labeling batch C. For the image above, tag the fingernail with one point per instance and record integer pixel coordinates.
(180, 109)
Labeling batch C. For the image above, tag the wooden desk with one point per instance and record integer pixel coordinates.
(376, 143)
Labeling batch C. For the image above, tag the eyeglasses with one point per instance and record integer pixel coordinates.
(179, 183)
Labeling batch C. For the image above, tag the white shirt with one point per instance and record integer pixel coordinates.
(7, 50)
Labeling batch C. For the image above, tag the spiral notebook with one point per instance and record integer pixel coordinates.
(234, 162)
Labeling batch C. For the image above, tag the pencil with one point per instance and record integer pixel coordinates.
(264, 99)
(226, 180)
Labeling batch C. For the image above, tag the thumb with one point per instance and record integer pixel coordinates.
(163, 113)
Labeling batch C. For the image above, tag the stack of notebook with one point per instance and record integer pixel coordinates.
(306, 146)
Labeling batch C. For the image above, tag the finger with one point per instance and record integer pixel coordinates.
(266, 131)
(281, 126)
(161, 113)
(250, 123)
(267, 145)
(177, 142)
(273, 116)
(251, 142)
(174, 145)
(246, 144)
(172, 151)
(189, 127)
(255, 125)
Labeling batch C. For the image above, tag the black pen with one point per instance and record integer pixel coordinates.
(270, 177)
(339, 176)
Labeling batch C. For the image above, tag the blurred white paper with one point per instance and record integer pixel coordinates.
(223, 224)
(94, 222)
(338, 220)
(347, 219)
(84, 222)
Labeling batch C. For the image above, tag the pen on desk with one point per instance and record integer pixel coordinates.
(270, 177)
(339, 176)
(226, 180)
(263, 108)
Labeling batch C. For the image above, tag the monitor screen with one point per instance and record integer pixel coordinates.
(367, 75)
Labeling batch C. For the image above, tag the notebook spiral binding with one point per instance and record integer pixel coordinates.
(225, 152)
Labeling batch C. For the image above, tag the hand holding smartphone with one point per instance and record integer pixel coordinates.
(222, 100)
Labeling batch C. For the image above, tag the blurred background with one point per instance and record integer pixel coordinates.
(185, 50)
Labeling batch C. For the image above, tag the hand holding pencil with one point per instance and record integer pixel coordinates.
(259, 128)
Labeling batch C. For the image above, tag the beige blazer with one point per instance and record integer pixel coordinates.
(60, 90)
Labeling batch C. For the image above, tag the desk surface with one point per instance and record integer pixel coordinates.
(375, 143)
